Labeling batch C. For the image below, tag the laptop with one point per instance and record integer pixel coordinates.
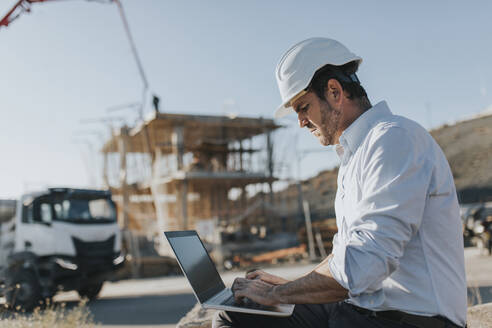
(207, 285)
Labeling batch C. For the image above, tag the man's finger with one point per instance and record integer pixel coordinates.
(252, 270)
(253, 274)
(237, 282)
(239, 295)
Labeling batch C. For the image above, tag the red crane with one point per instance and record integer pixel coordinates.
(20, 7)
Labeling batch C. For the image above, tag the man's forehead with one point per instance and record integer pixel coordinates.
(299, 98)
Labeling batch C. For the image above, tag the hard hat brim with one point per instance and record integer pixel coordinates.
(282, 111)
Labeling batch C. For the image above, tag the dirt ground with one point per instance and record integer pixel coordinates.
(162, 302)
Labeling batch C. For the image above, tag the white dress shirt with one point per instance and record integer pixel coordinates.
(399, 244)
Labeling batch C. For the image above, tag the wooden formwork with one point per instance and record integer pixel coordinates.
(196, 161)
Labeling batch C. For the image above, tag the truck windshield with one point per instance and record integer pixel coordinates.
(86, 210)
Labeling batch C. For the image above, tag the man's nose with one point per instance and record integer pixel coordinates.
(303, 121)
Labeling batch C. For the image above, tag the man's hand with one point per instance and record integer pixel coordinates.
(266, 277)
(256, 290)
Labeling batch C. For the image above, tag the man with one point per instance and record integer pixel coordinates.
(398, 257)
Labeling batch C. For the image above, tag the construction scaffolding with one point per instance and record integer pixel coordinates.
(178, 172)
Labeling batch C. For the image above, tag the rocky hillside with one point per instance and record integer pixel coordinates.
(466, 144)
(468, 148)
(319, 191)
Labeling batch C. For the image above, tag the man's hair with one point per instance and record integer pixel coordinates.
(342, 74)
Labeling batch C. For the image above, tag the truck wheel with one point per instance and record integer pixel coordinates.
(23, 290)
(90, 291)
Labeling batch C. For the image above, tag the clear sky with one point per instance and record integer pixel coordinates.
(70, 60)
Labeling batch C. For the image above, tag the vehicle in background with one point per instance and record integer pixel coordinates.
(57, 239)
(479, 223)
(467, 213)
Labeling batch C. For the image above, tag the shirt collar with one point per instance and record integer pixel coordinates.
(353, 136)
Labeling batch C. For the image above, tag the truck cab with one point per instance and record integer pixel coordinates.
(59, 239)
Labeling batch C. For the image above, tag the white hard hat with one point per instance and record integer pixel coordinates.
(297, 66)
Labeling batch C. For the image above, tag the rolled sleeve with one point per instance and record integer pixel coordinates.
(336, 264)
(394, 182)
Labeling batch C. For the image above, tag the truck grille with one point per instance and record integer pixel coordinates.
(99, 249)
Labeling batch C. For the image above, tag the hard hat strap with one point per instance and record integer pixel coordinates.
(344, 77)
(354, 78)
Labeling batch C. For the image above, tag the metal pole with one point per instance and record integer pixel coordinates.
(321, 247)
(309, 231)
(132, 44)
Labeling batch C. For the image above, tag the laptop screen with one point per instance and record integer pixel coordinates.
(196, 263)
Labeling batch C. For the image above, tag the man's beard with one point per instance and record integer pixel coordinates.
(330, 122)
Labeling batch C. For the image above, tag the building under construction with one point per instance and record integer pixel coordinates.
(213, 174)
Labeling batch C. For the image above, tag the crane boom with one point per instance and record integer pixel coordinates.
(20, 7)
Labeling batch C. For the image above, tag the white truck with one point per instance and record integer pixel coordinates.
(57, 239)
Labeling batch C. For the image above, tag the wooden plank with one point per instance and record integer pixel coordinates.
(281, 253)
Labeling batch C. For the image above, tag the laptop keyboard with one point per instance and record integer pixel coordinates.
(249, 304)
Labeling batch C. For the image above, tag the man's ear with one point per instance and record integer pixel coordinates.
(334, 91)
